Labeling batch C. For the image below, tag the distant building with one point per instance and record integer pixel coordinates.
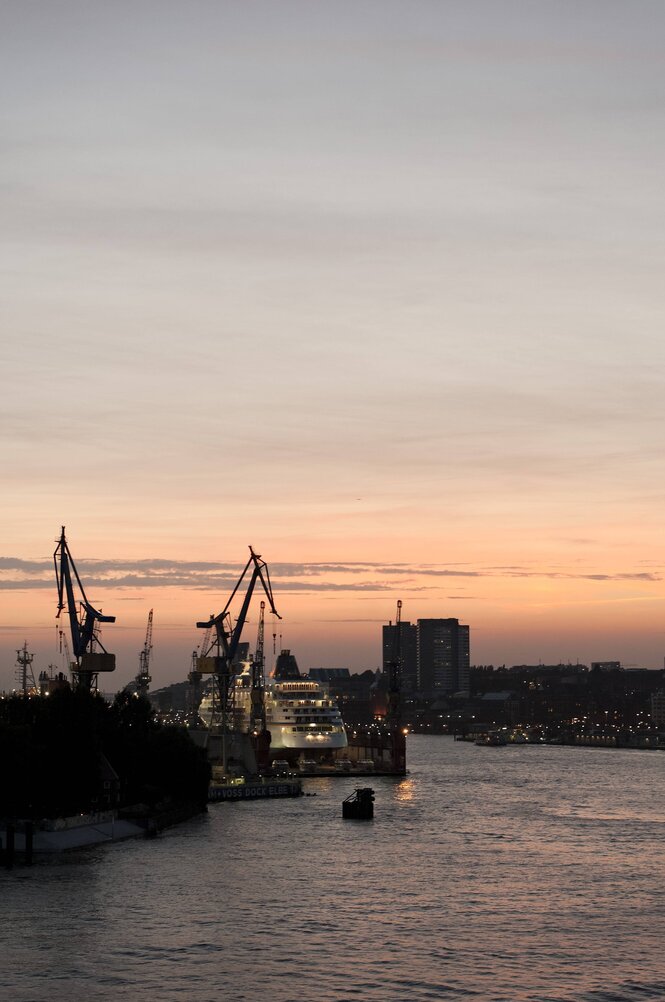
(541, 669)
(658, 708)
(443, 655)
(170, 699)
(407, 646)
(606, 666)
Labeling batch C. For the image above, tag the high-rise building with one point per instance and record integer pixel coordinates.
(407, 651)
(443, 655)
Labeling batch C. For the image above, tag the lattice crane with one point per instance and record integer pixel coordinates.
(143, 678)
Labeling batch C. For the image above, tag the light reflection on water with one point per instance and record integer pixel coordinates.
(404, 791)
(509, 873)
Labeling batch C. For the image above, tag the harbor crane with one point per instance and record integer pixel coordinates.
(143, 679)
(84, 621)
(226, 636)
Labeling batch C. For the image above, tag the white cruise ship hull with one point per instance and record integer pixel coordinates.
(283, 739)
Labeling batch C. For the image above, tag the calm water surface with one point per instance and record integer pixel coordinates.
(488, 873)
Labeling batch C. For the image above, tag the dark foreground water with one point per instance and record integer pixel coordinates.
(489, 873)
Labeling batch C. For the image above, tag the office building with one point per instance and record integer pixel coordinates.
(443, 654)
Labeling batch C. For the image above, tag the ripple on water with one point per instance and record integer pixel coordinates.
(533, 875)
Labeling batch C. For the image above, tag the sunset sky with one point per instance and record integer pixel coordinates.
(375, 287)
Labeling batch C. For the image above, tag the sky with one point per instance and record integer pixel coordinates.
(375, 287)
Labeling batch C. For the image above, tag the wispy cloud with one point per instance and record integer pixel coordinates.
(371, 576)
(28, 566)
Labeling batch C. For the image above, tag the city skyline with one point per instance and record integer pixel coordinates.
(374, 288)
(343, 638)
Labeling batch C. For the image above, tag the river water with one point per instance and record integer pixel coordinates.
(488, 873)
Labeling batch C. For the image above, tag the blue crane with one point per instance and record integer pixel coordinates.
(84, 620)
(226, 637)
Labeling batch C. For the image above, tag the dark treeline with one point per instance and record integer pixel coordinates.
(71, 752)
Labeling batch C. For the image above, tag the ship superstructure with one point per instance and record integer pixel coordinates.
(301, 717)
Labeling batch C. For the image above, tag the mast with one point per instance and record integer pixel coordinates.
(24, 673)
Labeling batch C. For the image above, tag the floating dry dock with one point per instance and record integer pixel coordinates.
(258, 790)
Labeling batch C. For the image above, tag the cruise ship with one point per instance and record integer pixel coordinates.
(302, 718)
